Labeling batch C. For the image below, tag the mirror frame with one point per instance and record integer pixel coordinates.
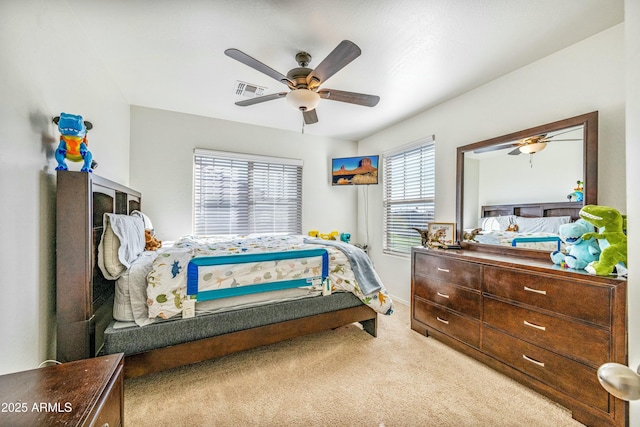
(590, 169)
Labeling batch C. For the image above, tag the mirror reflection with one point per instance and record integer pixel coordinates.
(544, 172)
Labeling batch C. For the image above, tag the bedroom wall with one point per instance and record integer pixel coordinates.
(41, 75)
(162, 144)
(585, 77)
(632, 62)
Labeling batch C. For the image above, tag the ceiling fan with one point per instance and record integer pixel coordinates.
(304, 83)
(531, 145)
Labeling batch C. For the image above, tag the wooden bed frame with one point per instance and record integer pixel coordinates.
(535, 210)
(85, 298)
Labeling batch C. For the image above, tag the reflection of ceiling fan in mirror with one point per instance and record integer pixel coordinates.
(531, 145)
(304, 83)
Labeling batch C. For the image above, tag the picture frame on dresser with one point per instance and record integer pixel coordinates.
(449, 231)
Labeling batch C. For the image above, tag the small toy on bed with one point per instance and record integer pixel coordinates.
(151, 242)
(580, 252)
(578, 193)
(73, 142)
(324, 236)
(611, 237)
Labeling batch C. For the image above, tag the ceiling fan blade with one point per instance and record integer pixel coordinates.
(260, 99)
(350, 97)
(339, 57)
(495, 148)
(257, 65)
(310, 117)
(515, 152)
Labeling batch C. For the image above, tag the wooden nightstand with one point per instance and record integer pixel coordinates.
(87, 392)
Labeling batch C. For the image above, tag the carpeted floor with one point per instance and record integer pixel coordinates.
(342, 377)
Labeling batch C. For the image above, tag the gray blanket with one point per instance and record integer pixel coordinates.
(366, 276)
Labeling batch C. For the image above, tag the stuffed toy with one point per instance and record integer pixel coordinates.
(73, 142)
(151, 243)
(578, 193)
(324, 236)
(611, 237)
(580, 252)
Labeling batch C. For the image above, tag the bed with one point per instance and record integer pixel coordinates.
(85, 297)
(537, 223)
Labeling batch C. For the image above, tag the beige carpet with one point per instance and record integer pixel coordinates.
(342, 377)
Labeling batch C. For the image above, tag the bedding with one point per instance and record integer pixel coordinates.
(542, 241)
(155, 286)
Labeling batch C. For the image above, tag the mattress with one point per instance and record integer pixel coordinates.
(134, 339)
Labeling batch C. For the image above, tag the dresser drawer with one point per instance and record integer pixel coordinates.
(461, 273)
(108, 411)
(579, 341)
(572, 378)
(454, 325)
(454, 297)
(575, 299)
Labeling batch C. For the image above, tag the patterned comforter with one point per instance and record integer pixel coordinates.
(166, 288)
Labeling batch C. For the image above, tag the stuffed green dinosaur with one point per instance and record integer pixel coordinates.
(610, 235)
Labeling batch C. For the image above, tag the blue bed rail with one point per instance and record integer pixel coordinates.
(196, 263)
(517, 240)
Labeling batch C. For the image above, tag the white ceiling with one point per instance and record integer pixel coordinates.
(415, 53)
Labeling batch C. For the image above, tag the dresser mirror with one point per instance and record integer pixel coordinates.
(537, 172)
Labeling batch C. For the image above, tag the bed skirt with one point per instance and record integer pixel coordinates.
(136, 339)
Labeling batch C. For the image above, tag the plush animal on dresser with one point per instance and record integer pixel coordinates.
(611, 237)
(73, 142)
(580, 252)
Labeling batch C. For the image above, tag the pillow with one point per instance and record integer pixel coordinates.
(541, 225)
(145, 219)
(121, 243)
(495, 223)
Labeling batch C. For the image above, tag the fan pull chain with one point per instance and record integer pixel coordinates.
(303, 125)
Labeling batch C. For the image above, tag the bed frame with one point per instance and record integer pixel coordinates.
(571, 209)
(84, 298)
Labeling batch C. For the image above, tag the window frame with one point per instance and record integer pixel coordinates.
(254, 193)
(418, 190)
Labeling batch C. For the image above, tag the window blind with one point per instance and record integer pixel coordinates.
(409, 194)
(244, 194)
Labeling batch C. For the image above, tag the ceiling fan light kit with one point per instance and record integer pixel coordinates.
(303, 99)
(304, 83)
(535, 147)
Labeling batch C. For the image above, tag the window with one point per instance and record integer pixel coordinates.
(244, 194)
(409, 194)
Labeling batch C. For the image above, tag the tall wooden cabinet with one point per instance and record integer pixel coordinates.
(544, 326)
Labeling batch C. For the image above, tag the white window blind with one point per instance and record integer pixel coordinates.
(244, 194)
(409, 194)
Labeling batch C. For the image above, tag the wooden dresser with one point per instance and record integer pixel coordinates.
(87, 392)
(546, 327)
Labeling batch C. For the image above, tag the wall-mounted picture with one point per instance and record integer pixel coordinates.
(444, 232)
(361, 170)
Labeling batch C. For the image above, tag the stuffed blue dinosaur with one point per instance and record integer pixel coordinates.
(580, 251)
(73, 142)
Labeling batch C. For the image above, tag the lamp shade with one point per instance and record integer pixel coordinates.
(303, 99)
(533, 148)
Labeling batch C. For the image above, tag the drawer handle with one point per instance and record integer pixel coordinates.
(442, 295)
(446, 322)
(537, 291)
(444, 270)
(533, 325)
(528, 359)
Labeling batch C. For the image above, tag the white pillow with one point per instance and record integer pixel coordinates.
(121, 243)
(541, 225)
(148, 225)
(495, 223)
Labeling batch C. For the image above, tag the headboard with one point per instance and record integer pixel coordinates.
(84, 298)
(571, 209)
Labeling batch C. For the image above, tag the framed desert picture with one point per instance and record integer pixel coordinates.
(445, 232)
